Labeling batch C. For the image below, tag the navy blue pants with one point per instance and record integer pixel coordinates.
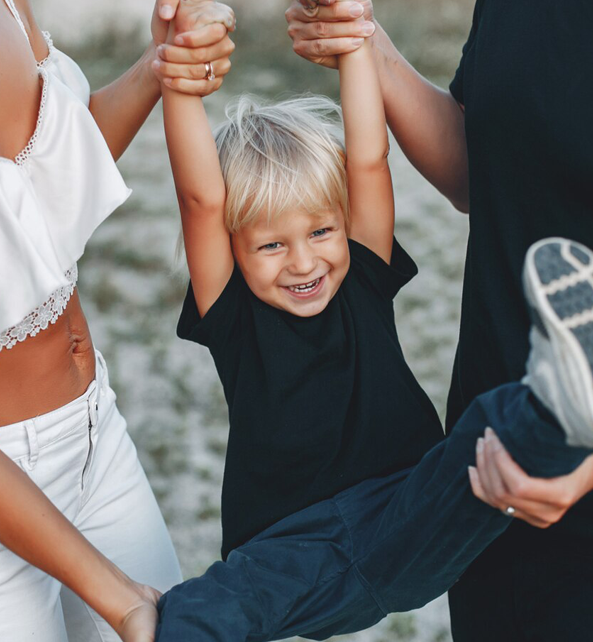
(385, 545)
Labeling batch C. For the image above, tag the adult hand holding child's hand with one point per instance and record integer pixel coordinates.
(197, 35)
(322, 30)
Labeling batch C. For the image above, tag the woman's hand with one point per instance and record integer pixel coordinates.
(198, 35)
(500, 482)
(321, 32)
(139, 623)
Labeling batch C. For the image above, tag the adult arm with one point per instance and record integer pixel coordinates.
(121, 108)
(34, 529)
(498, 481)
(426, 121)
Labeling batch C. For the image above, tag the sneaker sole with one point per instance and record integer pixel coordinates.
(558, 282)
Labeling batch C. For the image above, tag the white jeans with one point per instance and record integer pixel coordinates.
(83, 459)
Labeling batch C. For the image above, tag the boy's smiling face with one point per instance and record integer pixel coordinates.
(296, 262)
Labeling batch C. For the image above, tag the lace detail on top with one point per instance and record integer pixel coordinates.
(22, 157)
(50, 50)
(42, 316)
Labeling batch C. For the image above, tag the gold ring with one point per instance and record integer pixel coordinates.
(312, 11)
(210, 75)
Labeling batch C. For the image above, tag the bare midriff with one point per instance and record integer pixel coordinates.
(49, 370)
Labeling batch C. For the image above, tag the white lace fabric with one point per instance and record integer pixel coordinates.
(22, 157)
(50, 48)
(42, 316)
(53, 196)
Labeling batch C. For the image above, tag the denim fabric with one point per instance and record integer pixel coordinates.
(83, 459)
(390, 544)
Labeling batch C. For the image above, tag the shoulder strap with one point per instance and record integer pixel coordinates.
(17, 17)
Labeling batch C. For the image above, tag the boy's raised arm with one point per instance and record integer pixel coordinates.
(200, 190)
(367, 147)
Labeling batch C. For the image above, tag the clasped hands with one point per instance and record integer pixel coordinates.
(188, 34)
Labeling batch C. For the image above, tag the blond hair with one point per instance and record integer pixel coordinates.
(283, 156)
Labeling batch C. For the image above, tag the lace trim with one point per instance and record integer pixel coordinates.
(42, 316)
(23, 156)
(50, 50)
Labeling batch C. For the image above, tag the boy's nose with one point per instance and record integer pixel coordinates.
(303, 261)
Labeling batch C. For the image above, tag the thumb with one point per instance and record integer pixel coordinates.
(167, 8)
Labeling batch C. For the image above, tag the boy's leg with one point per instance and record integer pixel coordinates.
(558, 280)
(390, 544)
(384, 545)
(433, 527)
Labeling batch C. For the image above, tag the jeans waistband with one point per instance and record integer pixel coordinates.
(27, 438)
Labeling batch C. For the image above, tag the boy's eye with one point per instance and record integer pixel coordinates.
(320, 232)
(270, 246)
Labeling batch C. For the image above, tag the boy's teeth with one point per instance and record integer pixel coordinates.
(306, 287)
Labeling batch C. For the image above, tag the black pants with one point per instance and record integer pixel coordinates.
(390, 544)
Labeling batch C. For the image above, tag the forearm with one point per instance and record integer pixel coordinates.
(367, 143)
(121, 108)
(34, 529)
(370, 190)
(426, 121)
(193, 154)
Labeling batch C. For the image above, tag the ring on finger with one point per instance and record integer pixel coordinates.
(210, 75)
(312, 11)
(510, 511)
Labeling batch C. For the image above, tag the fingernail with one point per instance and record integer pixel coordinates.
(167, 12)
(356, 42)
(156, 64)
(168, 82)
(368, 29)
(356, 10)
(488, 434)
(161, 50)
(178, 40)
(480, 445)
(496, 443)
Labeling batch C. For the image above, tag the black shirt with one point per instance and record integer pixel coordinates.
(526, 82)
(316, 404)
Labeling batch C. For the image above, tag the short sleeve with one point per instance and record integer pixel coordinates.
(385, 278)
(456, 86)
(221, 321)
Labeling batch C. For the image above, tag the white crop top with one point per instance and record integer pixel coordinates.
(61, 186)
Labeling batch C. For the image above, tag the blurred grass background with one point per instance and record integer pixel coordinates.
(168, 390)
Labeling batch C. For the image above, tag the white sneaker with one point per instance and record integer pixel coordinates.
(558, 283)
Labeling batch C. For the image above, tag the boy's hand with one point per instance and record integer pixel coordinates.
(323, 30)
(197, 36)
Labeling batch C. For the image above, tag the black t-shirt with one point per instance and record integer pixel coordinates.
(316, 404)
(526, 81)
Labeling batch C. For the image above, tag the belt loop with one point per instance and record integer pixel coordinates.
(33, 444)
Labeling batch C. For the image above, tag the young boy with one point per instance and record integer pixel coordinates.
(341, 502)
